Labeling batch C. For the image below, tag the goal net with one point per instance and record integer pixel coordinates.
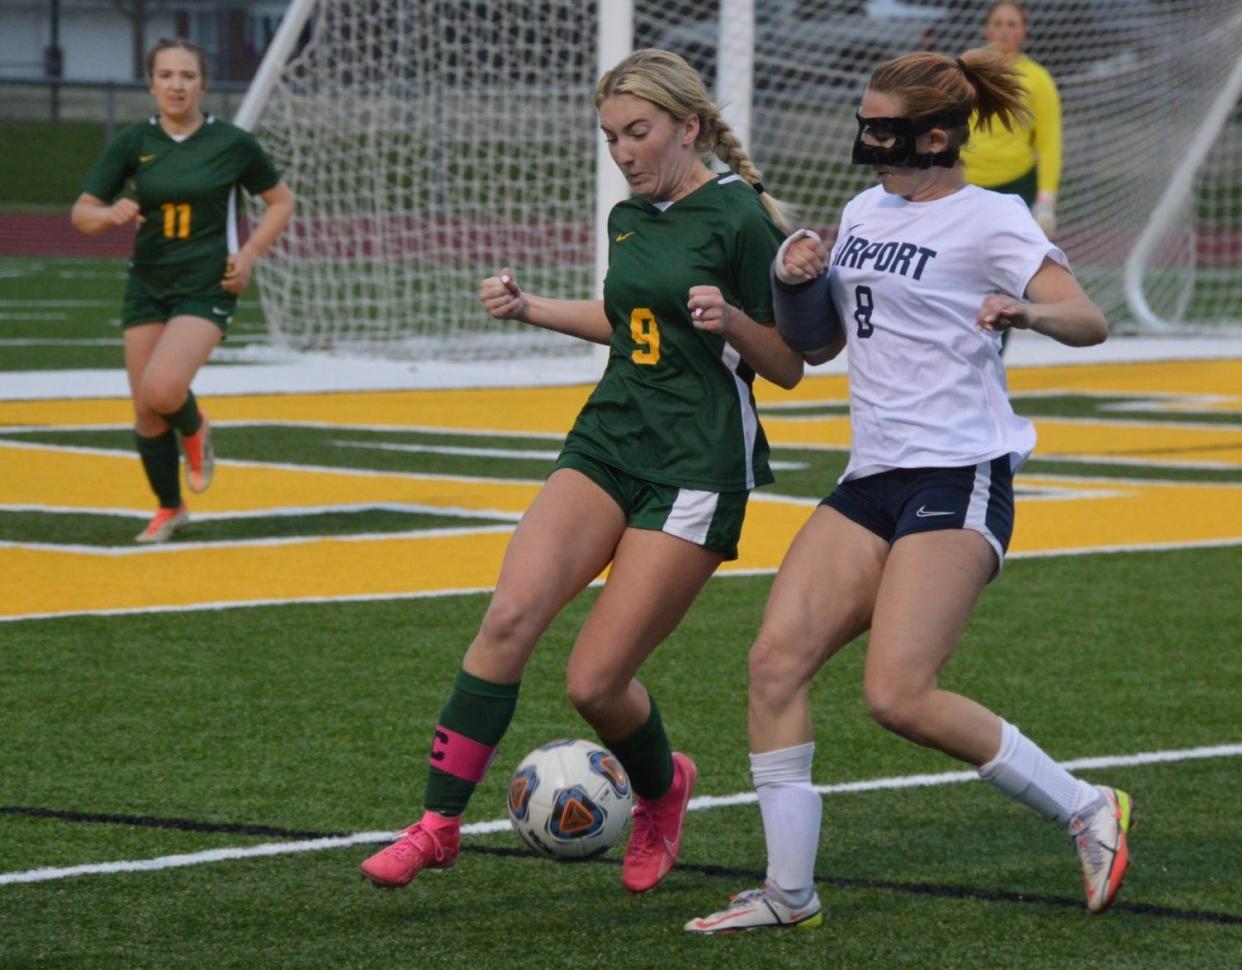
(431, 142)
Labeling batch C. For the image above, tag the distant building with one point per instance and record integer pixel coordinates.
(97, 37)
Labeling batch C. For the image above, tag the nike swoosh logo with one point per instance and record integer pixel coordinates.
(625, 235)
(923, 513)
(728, 915)
(145, 158)
(218, 312)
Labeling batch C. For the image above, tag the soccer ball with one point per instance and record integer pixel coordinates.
(570, 800)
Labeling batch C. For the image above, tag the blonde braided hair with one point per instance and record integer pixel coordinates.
(668, 82)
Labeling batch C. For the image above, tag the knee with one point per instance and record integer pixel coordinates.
(146, 422)
(592, 693)
(778, 668)
(893, 707)
(508, 622)
(161, 395)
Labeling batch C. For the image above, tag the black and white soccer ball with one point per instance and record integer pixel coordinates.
(570, 800)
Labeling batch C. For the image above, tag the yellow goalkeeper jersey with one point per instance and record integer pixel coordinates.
(998, 156)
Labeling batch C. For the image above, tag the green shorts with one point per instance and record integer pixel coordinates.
(712, 520)
(179, 296)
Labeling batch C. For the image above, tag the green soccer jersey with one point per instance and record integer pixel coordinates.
(675, 404)
(187, 191)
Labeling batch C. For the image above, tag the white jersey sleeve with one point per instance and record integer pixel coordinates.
(1017, 247)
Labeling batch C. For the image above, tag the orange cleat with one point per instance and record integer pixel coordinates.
(200, 457)
(164, 525)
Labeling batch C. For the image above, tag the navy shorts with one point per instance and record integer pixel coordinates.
(896, 503)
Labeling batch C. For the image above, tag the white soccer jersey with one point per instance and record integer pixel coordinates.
(927, 386)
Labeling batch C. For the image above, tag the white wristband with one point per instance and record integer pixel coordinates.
(779, 265)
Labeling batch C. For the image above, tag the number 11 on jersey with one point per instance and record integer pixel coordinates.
(176, 220)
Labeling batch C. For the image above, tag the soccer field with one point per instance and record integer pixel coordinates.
(201, 741)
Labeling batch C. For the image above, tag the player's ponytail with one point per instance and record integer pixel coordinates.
(928, 84)
(719, 138)
(998, 89)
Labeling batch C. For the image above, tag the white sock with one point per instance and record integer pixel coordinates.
(791, 814)
(1022, 770)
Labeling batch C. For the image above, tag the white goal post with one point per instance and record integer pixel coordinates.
(431, 142)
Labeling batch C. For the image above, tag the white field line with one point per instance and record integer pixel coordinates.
(328, 425)
(286, 466)
(499, 825)
(548, 455)
(1138, 422)
(291, 511)
(432, 594)
(83, 342)
(1141, 400)
(163, 549)
(274, 601)
(1214, 466)
(91, 304)
(1097, 459)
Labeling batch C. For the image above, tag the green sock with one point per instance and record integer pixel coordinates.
(646, 756)
(186, 418)
(161, 463)
(472, 722)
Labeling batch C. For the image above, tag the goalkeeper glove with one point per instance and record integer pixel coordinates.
(1045, 212)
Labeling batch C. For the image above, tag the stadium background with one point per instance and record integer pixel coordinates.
(199, 742)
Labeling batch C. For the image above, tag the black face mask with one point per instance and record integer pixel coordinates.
(904, 131)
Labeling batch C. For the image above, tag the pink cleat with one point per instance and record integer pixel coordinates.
(656, 838)
(423, 846)
(200, 457)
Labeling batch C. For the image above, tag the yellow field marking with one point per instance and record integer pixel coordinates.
(1103, 515)
(831, 387)
(1221, 378)
(73, 582)
(69, 479)
(551, 410)
(832, 431)
(1126, 514)
(1155, 442)
(533, 410)
(1113, 515)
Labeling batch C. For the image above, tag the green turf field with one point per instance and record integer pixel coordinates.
(192, 788)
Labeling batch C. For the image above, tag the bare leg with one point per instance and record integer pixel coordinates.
(821, 600)
(930, 587)
(654, 579)
(565, 539)
(161, 382)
